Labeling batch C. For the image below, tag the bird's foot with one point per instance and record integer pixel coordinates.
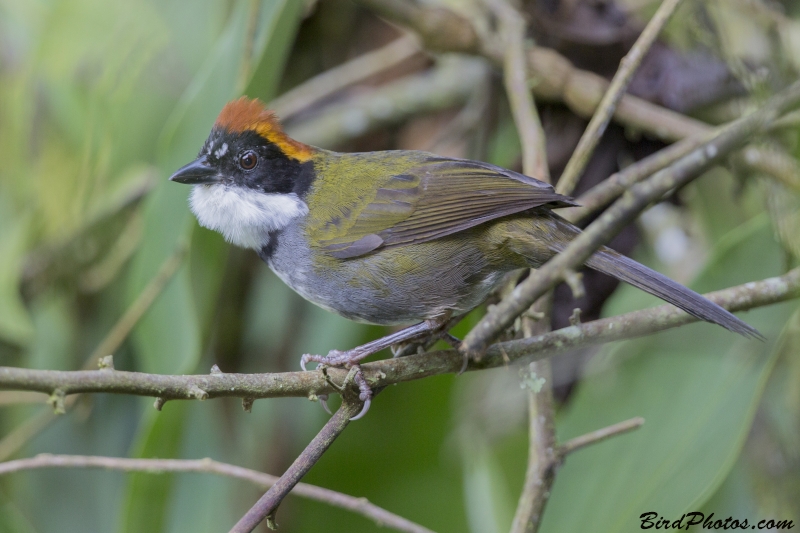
(411, 348)
(352, 357)
(334, 358)
(364, 392)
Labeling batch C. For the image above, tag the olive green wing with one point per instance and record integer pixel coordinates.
(434, 198)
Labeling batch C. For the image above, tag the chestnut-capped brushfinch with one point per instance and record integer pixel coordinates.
(391, 237)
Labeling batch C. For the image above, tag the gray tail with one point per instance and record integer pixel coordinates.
(623, 268)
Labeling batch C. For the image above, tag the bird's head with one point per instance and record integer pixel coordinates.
(250, 178)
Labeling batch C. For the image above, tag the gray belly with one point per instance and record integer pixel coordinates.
(391, 286)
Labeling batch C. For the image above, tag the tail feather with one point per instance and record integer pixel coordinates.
(623, 268)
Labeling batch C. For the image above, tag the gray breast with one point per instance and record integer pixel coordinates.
(399, 285)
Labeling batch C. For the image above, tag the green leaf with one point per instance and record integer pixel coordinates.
(148, 498)
(697, 388)
(170, 337)
(489, 507)
(754, 488)
(278, 22)
(15, 322)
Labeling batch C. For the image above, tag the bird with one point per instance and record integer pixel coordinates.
(392, 237)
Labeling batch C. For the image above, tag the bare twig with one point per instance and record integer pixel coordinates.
(389, 371)
(515, 77)
(108, 267)
(266, 506)
(540, 474)
(541, 411)
(449, 84)
(620, 213)
(21, 397)
(382, 373)
(612, 187)
(608, 105)
(599, 435)
(24, 432)
(789, 121)
(553, 76)
(123, 327)
(541, 431)
(440, 29)
(360, 506)
(544, 462)
(350, 73)
(773, 162)
(17, 438)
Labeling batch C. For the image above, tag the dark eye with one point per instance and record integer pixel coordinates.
(248, 160)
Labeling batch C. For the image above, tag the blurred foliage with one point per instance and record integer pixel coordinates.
(101, 101)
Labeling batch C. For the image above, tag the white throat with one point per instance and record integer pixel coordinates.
(243, 216)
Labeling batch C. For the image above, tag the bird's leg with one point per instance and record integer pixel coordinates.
(351, 357)
(440, 331)
(364, 392)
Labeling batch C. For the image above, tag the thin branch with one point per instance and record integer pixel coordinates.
(515, 77)
(468, 118)
(448, 84)
(123, 327)
(360, 506)
(389, 371)
(599, 435)
(612, 187)
(21, 397)
(790, 121)
(23, 433)
(55, 263)
(608, 105)
(541, 411)
(553, 77)
(636, 199)
(772, 162)
(539, 474)
(440, 29)
(547, 457)
(350, 73)
(266, 506)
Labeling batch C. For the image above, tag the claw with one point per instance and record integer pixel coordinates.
(464, 364)
(308, 358)
(363, 410)
(323, 399)
(365, 393)
(452, 340)
(334, 358)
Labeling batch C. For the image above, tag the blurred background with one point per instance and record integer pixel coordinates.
(101, 101)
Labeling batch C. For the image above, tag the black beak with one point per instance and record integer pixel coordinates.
(196, 172)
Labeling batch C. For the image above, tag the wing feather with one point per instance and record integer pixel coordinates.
(433, 198)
